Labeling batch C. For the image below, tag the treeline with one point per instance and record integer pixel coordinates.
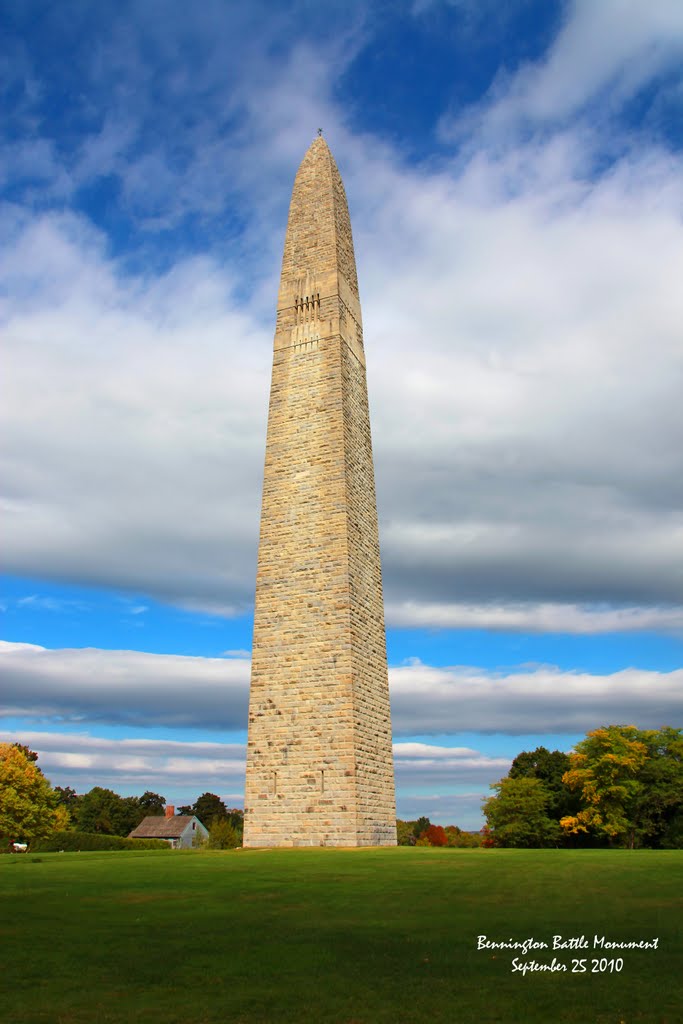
(619, 787)
(422, 833)
(31, 809)
(104, 812)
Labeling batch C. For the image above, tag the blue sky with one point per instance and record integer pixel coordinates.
(514, 175)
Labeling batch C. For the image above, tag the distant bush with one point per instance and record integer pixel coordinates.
(223, 836)
(435, 835)
(74, 841)
(405, 836)
(464, 840)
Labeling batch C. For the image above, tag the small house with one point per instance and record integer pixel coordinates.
(179, 830)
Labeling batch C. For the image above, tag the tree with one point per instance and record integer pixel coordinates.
(223, 835)
(630, 783)
(518, 814)
(405, 835)
(487, 840)
(435, 835)
(102, 810)
(27, 801)
(604, 770)
(29, 754)
(549, 767)
(67, 807)
(420, 826)
(235, 815)
(462, 840)
(209, 807)
(452, 834)
(62, 822)
(67, 797)
(151, 803)
(660, 813)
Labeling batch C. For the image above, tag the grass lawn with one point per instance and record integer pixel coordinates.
(344, 936)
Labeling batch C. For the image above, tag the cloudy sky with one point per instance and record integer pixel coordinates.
(515, 182)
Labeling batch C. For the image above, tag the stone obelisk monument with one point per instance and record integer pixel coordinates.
(319, 756)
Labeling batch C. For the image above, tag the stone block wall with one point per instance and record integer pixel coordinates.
(319, 762)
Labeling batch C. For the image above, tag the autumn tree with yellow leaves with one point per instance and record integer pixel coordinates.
(630, 783)
(621, 786)
(28, 804)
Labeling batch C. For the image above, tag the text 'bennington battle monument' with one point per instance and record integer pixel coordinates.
(319, 757)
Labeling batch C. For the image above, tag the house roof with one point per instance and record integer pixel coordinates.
(154, 826)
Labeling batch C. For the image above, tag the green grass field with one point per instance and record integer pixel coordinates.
(344, 936)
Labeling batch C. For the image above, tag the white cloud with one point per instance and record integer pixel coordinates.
(525, 356)
(604, 51)
(148, 690)
(420, 767)
(124, 687)
(140, 462)
(428, 752)
(528, 449)
(540, 699)
(180, 770)
(617, 43)
(522, 325)
(534, 618)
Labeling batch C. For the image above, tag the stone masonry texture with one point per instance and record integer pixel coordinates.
(319, 756)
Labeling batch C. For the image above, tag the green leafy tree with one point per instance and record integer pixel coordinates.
(67, 807)
(550, 767)
(151, 803)
(27, 800)
(67, 797)
(518, 814)
(102, 810)
(235, 815)
(223, 835)
(452, 833)
(463, 840)
(672, 837)
(660, 812)
(420, 826)
(209, 808)
(405, 835)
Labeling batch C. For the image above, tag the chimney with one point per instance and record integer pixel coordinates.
(170, 810)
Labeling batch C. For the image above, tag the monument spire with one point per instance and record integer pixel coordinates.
(319, 759)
